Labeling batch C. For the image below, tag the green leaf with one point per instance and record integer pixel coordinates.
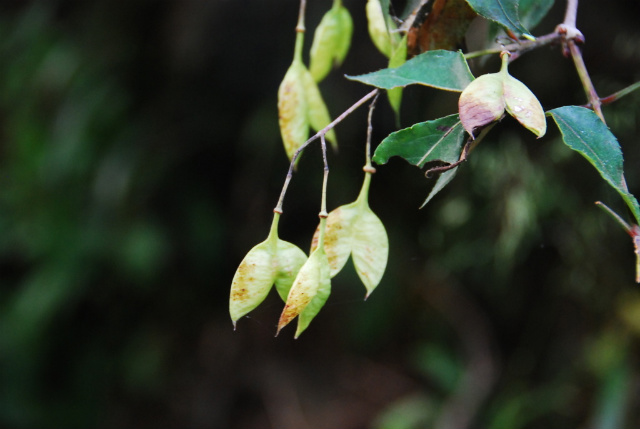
(533, 11)
(440, 69)
(438, 140)
(585, 133)
(443, 180)
(504, 12)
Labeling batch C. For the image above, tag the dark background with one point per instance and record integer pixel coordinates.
(140, 159)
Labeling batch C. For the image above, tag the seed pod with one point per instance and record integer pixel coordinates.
(482, 102)
(318, 114)
(353, 229)
(346, 30)
(398, 58)
(378, 30)
(272, 261)
(310, 290)
(485, 99)
(331, 41)
(523, 105)
(293, 108)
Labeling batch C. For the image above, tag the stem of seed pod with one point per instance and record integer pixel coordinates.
(323, 206)
(300, 29)
(368, 168)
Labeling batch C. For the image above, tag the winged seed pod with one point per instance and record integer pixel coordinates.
(331, 41)
(273, 261)
(300, 105)
(378, 30)
(317, 112)
(486, 98)
(310, 290)
(293, 108)
(353, 229)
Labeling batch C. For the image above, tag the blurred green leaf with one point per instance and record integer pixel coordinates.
(504, 12)
(440, 69)
(533, 11)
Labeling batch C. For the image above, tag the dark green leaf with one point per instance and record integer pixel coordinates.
(446, 70)
(585, 133)
(443, 180)
(532, 11)
(438, 140)
(504, 12)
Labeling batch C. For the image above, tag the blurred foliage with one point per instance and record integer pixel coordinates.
(140, 159)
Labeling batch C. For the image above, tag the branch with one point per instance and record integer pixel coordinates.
(319, 134)
(619, 94)
(572, 36)
(519, 47)
(368, 168)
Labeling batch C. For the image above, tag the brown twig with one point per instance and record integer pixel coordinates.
(619, 94)
(322, 132)
(372, 106)
(572, 36)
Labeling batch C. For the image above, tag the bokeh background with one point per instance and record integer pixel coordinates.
(140, 159)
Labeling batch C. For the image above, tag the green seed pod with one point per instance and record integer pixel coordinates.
(486, 99)
(354, 230)
(346, 30)
(378, 30)
(309, 292)
(293, 110)
(482, 102)
(331, 41)
(523, 105)
(318, 114)
(398, 58)
(272, 261)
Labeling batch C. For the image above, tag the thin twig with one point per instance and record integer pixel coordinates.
(571, 13)
(322, 132)
(325, 179)
(519, 47)
(572, 35)
(589, 89)
(372, 107)
(615, 216)
(619, 94)
(300, 27)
